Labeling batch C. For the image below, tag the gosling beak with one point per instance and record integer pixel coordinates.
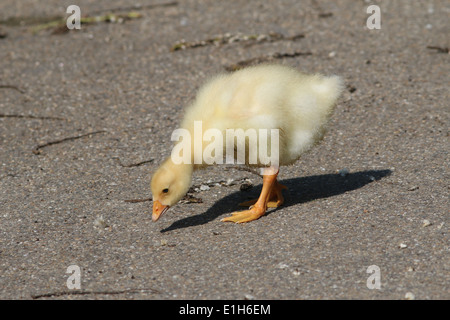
(158, 210)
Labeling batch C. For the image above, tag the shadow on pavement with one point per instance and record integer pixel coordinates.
(300, 190)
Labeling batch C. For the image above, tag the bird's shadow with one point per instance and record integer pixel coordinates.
(300, 190)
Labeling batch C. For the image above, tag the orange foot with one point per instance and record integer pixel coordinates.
(246, 216)
(271, 190)
(276, 198)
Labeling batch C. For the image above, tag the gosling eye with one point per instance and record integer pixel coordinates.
(166, 190)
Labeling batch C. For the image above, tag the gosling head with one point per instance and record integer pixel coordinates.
(169, 184)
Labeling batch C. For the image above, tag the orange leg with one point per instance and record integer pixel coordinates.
(260, 207)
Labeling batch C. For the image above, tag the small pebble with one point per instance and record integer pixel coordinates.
(410, 296)
(426, 223)
(246, 185)
(403, 246)
(344, 172)
(183, 22)
(249, 297)
(204, 187)
(282, 265)
(100, 223)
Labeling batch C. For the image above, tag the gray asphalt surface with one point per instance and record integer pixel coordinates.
(63, 191)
